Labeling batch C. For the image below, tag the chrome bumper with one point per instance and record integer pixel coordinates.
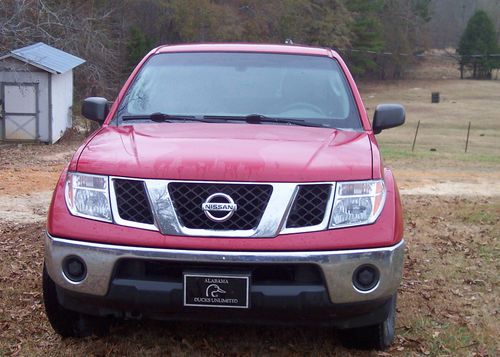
(337, 266)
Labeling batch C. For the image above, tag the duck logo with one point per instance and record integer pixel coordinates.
(213, 291)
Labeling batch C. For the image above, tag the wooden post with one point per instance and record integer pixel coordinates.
(467, 141)
(415, 138)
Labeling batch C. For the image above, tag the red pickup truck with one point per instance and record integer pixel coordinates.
(230, 183)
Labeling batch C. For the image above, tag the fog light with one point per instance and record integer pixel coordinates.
(365, 277)
(74, 268)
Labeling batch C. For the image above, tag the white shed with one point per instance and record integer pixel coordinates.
(36, 93)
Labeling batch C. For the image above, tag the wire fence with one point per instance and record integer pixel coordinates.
(444, 114)
(462, 138)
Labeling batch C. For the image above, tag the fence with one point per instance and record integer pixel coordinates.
(466, 119)
(429, 136)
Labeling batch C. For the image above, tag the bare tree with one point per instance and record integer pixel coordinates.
(78, 27)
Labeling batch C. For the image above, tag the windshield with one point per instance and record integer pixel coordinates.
(310, 88)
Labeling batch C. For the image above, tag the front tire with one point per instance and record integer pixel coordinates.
(68, 323)
(378, 336)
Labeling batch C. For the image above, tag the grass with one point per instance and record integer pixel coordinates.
(456, 241)
(393, 153)
(441, 337)
(443, 126)
(447, 339)
(481, 217)
(488, 253)
(481, 214)
(452, 265)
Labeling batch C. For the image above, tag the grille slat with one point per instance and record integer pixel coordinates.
(132, 201)
(189, 197)
(309, 207)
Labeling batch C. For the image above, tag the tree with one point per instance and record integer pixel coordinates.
(385, 36)
(138, 45)
(476, 45)
(402, 21)
(367, 32)
(113, 35)
(83, 28)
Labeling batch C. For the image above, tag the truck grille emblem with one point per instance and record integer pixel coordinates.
(219, 207)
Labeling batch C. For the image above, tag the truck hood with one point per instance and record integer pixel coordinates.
(228, 152)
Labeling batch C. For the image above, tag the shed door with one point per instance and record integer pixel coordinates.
(20, 111)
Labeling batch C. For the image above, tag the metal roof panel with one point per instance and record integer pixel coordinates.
(47, 58)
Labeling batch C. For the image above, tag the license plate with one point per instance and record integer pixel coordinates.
(216, 290)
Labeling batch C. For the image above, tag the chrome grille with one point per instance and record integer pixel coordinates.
(132, 201)
(175, 207)
(310, 206)
(251, 199)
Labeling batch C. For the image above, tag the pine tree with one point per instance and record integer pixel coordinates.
(476, 45)
(138, 45)
(367, 34)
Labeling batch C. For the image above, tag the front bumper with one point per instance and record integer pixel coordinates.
(337, 267)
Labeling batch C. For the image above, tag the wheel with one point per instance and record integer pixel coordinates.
(65, 322)
(378, 336)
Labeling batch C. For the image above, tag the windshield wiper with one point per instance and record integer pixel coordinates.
(164, 118)
(251, 119)
(259, 118)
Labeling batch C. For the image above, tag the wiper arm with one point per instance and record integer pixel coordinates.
(164, 118)
(259, 118)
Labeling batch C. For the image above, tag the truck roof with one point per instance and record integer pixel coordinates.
(247, 47)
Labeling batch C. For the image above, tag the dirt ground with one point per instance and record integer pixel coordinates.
(448, 303)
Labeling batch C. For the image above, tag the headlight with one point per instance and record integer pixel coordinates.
(357, 203)
(88, 196)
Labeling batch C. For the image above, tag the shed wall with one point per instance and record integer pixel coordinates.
(12, 64)
(40, 78)
(62, 102)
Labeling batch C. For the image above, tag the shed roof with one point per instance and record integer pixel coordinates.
(46, 57)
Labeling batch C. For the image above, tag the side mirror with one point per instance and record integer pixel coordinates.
(95, 108)
(388, 116)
